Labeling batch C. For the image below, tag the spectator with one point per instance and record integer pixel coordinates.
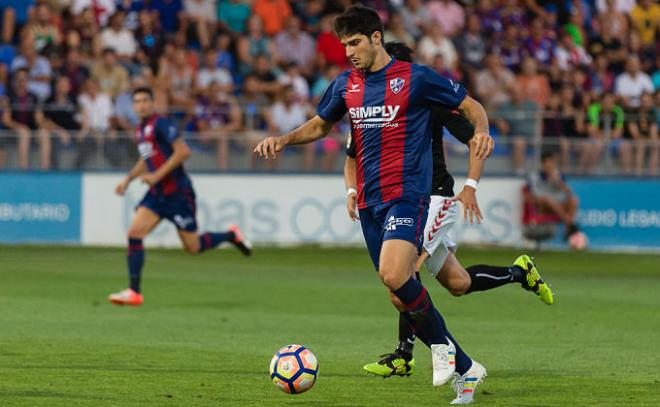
(614, 20)
(150, 39)
(447, 14)
(494, 82)
(38, 69)
(602, 79)
(490, 18)
(606, 123)
(273, 13)
(622, 6)
(180, 77)
(198, 22)
(124, 120)
(266, 80)
(563, 125)
(210, 72)
(217, 118)
(471, 45)
(517, 119)
(233, 14)
(41, 31)
(110, 75)
(62, 117)
(252, 45)
(512, 13)
(329, 49)
(119, 38)
(225, 56)
(100, 9)
(253, 106)
(97, 107)
(14, 14)
(631, 84)
(534, 85)
(540, 45)
(330, 72)
(415, 17)
(553, 196)
(643, 130)
(286, 115)
(434, 43)
(84, 34)
(510, 49)
(646, 20)
(295, 46)
(169, 13)
(396, 31)
(293, 77)
(613, 49)
(569, 55)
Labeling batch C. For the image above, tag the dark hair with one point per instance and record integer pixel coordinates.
(400, 51)
(108, 50)
(548, 154)
(358, 19)
(144, 89)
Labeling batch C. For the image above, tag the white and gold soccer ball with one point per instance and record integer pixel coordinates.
(294, 369)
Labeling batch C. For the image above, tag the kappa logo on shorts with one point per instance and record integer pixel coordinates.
(182, 222)
(393, 222)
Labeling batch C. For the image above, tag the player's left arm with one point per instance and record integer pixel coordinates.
(476, 114)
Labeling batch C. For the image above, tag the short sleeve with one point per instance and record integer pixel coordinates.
(351, 150)
(167, 131)
(332, 106)
(440, 90)
(457, 124)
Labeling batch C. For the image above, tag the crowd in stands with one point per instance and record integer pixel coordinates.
(582, 74)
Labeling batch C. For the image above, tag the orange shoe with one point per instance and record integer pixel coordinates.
(239, 241)
(126, 297)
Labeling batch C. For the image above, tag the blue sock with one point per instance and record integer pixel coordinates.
(426, 320)
(135, 262)
(210, 240)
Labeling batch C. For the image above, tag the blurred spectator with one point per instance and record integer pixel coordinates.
(605, 123)
(489, 15)
(540, 44)
(534, 85)
(233, 14)
(471, 45)
(273, 13)
(198, 21)
(217, 118)
(101, 9)
(253, 106)
(552, 195)
(62, 117)
(84, 33)
(123, 117)
(632, 83)
(569, 55)
(329, 49)
(266, 80)
(14, 14)
(287, 114)
(225, 56)
(563, 125)
(23, 115)
(396, 31)
(110, 75)
(434, 43)
(643, 129)
(253, 44)
(415, 17)
(510, 49)
(293, 77)
(656, 76)
(38, 69)
(494, 82)
(330, 72)
(622, 6)
(613, 49)
(150, 39)
(41, 30)
(97, 107)
(447, 14)
(74, 70)
(517, 119)
(180, 77)
(512, 13)
(169, 13)
(295, 46)
(646, 20)
(119, 38)
(602, 79)
(210, 72)
(614, 20)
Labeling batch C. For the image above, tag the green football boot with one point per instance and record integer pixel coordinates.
(533, 279)
(391, 364)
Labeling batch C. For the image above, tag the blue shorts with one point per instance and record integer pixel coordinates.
(179, 208)
(402, 219)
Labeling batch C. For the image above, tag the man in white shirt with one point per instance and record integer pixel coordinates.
(631, 84)
(210, 72)
(119, 38)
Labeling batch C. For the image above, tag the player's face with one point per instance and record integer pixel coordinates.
(143, 105)
(360, 50)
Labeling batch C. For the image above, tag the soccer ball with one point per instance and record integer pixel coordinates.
(578, 241)
(293, 369)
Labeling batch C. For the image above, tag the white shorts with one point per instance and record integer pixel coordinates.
(438, 239)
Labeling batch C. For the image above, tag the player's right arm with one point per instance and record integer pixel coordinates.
(138, 169)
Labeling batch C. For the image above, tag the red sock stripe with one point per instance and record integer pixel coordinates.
(135, 248)
(207, 240)
(415, 304)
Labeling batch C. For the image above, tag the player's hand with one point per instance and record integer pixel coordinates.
(269, 147)
(150, 179)
(351, 207)
(484, 145)
(468, 198)
(120, 189)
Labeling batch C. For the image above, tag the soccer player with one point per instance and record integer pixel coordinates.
(439, 247)
(389, 104)
(171, 195)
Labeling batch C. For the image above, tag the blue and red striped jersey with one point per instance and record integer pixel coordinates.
(390, 114)
(154, 137)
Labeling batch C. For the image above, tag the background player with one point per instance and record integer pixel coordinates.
(171, 195)
(439, 247)
(389, 105)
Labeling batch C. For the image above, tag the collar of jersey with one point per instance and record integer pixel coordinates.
(381, 70)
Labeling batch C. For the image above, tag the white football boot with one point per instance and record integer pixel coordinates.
(444, 362)
(466, 385)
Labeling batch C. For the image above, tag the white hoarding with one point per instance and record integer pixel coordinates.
(284, 209)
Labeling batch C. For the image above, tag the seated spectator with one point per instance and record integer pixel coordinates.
(552, 195)
(180, 77)
(150, 39)
(602, 79)
(217, 119)
(517, 119)
(224, 45)
(494, 82)
(540, 44)
(273, 13)
(61, 117)
(513, 13)
(510, 49)
(38, 69)
(102, 9)
(97, 107)
(210, 72)
(534, 85)
(434, 43)
(605, 123)
(119, 38)
(253, 104)
(23, 116)
(631, 84)
(233, 14)
(41, 30)
(295, 46)
(471, 45)
(415, 17)
(169, 13)
(198, 22)
(110, 75)
(293, 77)
(489, 15)
(14, 15)
(612, 48)
(266, 79)
(84, 34)
(646, 20)
(448, 15)
(396, 31)
(254, 44)
(613, 19)
(329, 49)
(569, 55)
(321, 84)
(643, 130)
(124, 119)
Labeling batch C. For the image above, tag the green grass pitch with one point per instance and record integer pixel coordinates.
(210, 325)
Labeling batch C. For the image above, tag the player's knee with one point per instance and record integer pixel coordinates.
(390, 278)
